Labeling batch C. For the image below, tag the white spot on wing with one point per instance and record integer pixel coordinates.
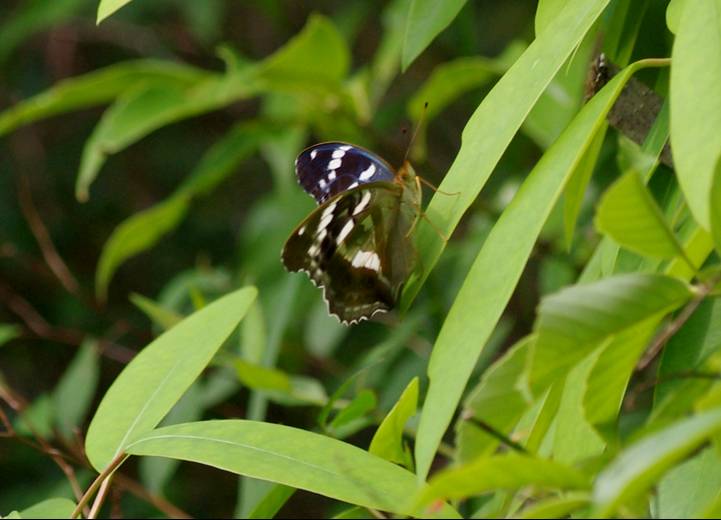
(329, 210)
(324, 221)
(313, 153)
(345, 148)
(322, 184)
(367, 259)
(368, 172)
(363, 203)
(337, 154)
(331, 176)
(301, 231)
(344, 232)
(353, 185)
(334, 164)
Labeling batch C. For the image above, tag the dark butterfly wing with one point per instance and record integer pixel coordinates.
(356, 247)
(326, 169)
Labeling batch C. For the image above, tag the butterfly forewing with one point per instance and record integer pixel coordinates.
(356, 247)
(326, 169)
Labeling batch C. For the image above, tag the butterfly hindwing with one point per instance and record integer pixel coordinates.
(326, 169)
(356, 247)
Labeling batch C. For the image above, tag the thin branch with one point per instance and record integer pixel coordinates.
(42, 236)
(134, 487)
(100, 497)
(490, 430)
(97, 483)
(673, 327)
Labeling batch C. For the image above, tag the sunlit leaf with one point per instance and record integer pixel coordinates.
(50, 508)
(158, 376)
(578, 319)
(387, 442)
(695, 103)
(637, 467)
(288, 456)
(629, 215)
(108, 7)
(425, 20)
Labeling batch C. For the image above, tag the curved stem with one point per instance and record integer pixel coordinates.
(114, 464)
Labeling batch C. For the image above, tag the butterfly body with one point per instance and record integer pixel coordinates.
(356, 244)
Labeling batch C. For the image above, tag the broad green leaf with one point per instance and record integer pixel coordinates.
(497, 268)
(674, 10)
(75, 391)
(144, 229)
(288, 456)
(158, 376)
(493, 125)
(37, 419)
(496, 401)
(270, 504)
(161, 316)
(695, 103)
(425, 20)
(50, 508)
(555, 507)
(136, 234)
(156, 472)
(575, 190)
(629, 215)
(8, 333)
(96, 88)
(509, 471)
(387, 442)
(612, 370)
(108, 7)
(715, 205)
(685, 490)
(640, 465)
(317, 52)
(546, 12)
(578, 319)
(574, 438)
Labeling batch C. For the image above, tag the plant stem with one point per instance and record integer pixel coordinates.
(114, 464)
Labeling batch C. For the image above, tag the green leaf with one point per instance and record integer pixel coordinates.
(75, 391)
(556, 507)
(270, 504)
(492, 127)
(33, 16)
(387, 442)
(497, 268)
(259, 377)
(695, 103)
(546, 12)
(629, 215)
(161, 316)
(50, 508)
(158, 376)
(612, 370)
(496, 401)
(426, 19)
(578, 319)
(8, 333)
(715, 205)
(450, 80)
(496, 472)
(685, 490)
(362, 404)
(136, 234)
(288, 456)
(674, 10)
(637, 467)
(95, 88)
(144, 229)
(108, 7)
(576, 186)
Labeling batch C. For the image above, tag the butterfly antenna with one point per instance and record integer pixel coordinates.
(420, 122)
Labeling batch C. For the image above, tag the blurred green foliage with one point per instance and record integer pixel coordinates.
(558, 355)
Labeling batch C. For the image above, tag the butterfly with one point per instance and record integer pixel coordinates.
(357, 243)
